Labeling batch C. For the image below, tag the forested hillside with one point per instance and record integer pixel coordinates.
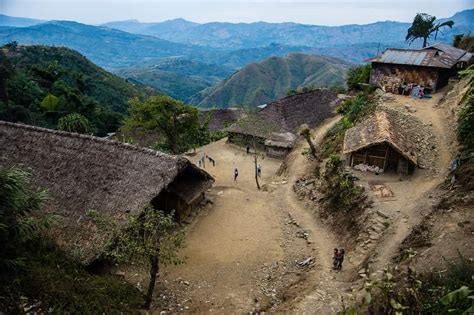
(39, 85)
(273, 78)
(177, 77)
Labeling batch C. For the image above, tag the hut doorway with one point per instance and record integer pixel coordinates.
(384, 157)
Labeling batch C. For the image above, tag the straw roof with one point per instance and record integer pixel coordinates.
(381, 127)
(281, 140)
(220, 118)
(84, 173)
(289, 113)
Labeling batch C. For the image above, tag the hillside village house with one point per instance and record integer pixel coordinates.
(82, 173)
(430, 67)
(381, 141)
(283, 118)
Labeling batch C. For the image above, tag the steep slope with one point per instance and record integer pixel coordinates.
(268, 80)
(107, 47)
(33, 72)
(177, 77)
(248, 35)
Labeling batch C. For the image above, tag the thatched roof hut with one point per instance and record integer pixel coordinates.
(84, 173)
(289, 113)
(380, 139)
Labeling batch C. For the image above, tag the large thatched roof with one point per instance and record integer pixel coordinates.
(382, 127)
(289, 113)
(84, 173)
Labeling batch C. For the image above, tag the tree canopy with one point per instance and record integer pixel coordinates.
(177, 123)
(424, 26)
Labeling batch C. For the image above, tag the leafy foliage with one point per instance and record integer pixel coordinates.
(357, 76)
(17, 226)
(74, 123)
(424, 26)
(32, 269)
(352, 110)
(340, 192)
(146, 239)
(40, 84)
(402, 290)
(466, 122)
(175, 121)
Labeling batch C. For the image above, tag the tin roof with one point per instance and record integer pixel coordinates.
(438, 56)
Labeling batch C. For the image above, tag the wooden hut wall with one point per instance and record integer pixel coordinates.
(384, 157)
(277, 152)
(392, 75)
(244, 140)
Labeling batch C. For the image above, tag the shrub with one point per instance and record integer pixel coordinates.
(74, 123)
(357, 77)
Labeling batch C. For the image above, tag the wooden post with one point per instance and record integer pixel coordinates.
(386, 158)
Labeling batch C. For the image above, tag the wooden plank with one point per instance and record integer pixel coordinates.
(386, 158)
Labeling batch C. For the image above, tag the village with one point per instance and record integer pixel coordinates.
(254, 206)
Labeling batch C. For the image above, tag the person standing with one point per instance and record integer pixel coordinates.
(340, 259)
(335, 259)
(236, 174)
(248, 149)
(259, 170)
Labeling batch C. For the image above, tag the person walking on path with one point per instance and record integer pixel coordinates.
(259, 170)
(334, 259)
(236, 174)
(248, 149)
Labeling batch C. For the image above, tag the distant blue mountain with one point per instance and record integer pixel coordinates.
(260, 34)
(6, 20)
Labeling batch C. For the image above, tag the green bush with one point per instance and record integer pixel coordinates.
(75, 123)
(466, 123)
(357, 77)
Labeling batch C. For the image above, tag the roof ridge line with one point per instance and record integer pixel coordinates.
(109, 142)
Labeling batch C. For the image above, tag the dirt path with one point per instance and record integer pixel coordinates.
(233, 238)
(412, 194)
(322, 291)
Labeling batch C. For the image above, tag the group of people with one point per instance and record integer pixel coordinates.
(337, 259)
(415, 90)
(259, 172)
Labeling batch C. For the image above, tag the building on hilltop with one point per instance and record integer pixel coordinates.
(381, 141)
(430, 67)
(82, 173)
(284, 117)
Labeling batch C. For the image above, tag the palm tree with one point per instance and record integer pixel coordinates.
(424, 26)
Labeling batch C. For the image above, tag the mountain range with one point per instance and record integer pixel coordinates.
(272, 78)
(193, 62)
(258, 34)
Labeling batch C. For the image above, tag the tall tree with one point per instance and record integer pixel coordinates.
(175, 121)
(424, 26)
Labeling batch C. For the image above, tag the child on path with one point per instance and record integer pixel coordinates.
(236, 174)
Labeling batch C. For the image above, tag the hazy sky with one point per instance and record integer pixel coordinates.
(335, 12)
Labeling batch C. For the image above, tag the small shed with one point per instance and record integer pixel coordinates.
(278, 145)
(430, 67)
(379, 141)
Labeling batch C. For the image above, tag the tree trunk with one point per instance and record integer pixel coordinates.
(154, 268)
(311, 146)
(425, 41)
